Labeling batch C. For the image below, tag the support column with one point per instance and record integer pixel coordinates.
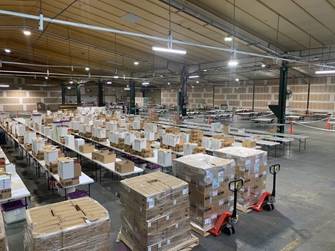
(132, 107)
(183, 93)
(308, 96)
(78, 94)
(101, 94)
(253, 96)
(282, 95)
(280, 109)
(63, 94)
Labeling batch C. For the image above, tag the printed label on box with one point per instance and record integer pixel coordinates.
(151, 202)
(185, 191)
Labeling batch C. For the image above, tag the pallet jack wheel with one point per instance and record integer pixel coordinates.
(228, 229)
(268, 206)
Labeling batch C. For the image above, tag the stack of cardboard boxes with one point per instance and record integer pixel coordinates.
(69, 171)
(251, 165)
(51, 158)
(81, 224)
(5, 184)
(208, 179)
(155, 211)
(196, 136)
(37, 147)
(104, 156)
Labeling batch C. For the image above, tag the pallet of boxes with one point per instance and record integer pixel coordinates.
(251, 166)
(208, 178)
(155, 213)
(79, 224)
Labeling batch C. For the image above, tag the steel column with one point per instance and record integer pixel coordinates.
(132, 107)
(78, 94)
(101, 94)
(183, 93)
(253, 96)
(308, 96)
(282, 95)
(63, 94)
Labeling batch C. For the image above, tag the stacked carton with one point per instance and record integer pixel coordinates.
(51, 158)
(251, 165)
(81, 224)
(208, 179)
(104, 156)
(155, 211)
(68, 171)
(37, 147)
(164, 157)
(196, 136)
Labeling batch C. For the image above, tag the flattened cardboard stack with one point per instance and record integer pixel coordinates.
(251, 165)
(80, 224)
(208, 179)
(155, 211)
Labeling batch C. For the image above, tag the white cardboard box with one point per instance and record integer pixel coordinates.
(129, 138)
(50, 155)
(69, 140)
(164, 157)
(38, 145)
(78, 142)
(111, 126)
(139, 144)
(5, 181)
(66, 168)
(28, 137)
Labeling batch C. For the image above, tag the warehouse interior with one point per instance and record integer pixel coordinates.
(167, 125)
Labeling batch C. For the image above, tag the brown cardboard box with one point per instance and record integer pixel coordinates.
(62, 226)
(249, 143)
(5, 194)
(104, 156)
(86, 148)
(124, 166)
(69, 182)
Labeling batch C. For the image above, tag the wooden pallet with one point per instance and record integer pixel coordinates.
(199, 230)
(243, 209)
(186, 245)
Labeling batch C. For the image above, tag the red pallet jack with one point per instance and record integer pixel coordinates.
(266, 200)
(225, 221)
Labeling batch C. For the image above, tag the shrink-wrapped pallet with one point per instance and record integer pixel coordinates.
(251, 165)
(208, 179)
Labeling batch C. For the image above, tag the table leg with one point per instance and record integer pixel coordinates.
(305, 144)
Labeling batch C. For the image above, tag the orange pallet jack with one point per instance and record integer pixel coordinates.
(225, 221)
(266, 200)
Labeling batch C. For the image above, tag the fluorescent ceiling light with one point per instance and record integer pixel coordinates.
(87, 68)
(197, 81)
(228, 39)
(71, 82)
(109, 82)
(237, 79)
(169, 50)
(46, 77)
(136, 63)
(145, 83)
(27, 32)
(69, 87)
(193, 76)
(232, 63)
(116, 77)
(325, 72)
(8, 50)
(204, 70)
(4, 86)
(192, 86)
(263, 65)
(169, 83)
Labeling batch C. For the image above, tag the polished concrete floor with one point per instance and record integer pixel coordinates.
(304, 218)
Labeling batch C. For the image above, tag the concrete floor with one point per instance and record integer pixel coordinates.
(304, 218)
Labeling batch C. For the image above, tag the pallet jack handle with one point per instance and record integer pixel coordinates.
(235, 186)
(274, 169)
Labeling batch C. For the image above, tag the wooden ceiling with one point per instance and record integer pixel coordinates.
(288, 24)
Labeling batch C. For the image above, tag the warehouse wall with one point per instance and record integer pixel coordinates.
(322, 94)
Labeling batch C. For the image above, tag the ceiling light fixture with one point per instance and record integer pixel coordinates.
(193, 76)
(8, 50)
(109, 82)
(325, 72)
(136, 63)
(169, 50)
(204, 70)
(263, 65)
(197, 81)
(169, 83)
(228, 39)
(27, 33)
(237, 79)
(4, 86)
(69, 87)
(46, 77)
(71, 82)
(232, 63)
(87, 68)
(145, 83)
(116, 77)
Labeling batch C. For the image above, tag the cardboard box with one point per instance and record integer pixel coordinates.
(164, 157)
(69, 141)
(70, 182)
(155, 211)
(208, 179)
(50, 154)
(68, 169)
(86, 148)
(104, 156)
(124, 166)
(61, 226)
(5, 194)
(249, 143)
(139, 144)
(5, 181)
(38, 145)
(78, 142)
